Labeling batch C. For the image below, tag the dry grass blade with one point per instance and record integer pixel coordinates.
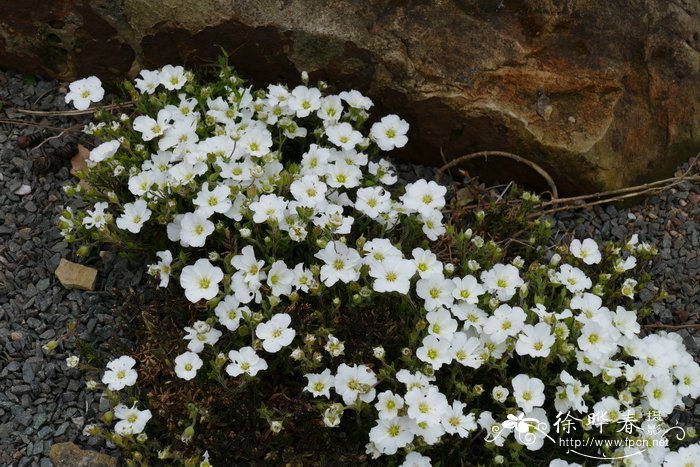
(508, 155)
(64, 113)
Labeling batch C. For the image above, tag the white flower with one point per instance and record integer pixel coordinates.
(120, 373)
(84, 91)
(355, 381)
(72, 361)
(467, 350)
(96, 218)
(688, 377)
(426, 262)
(505, 322)
(343, 135)
(342, 263)
(535, 341)
(280, 279)
(500, 393)
(424, 197)
(528, 392)
(587, 251)
(194, 229)
(373, 201)
(256, 142)
(426, 405)
(455, 422)
(625, 265)
(104, 151)
(304, 100)
(388, 405)
(309, 191)
(201, 280)
(131, 420)
(331, 109)
(416, 459)
(217, 200)
(467, 289)
(162, 268)
(268, 207)
(628, 287)
(390, 435)
(245, 360)
(343, 175)
(150, 128)
(135, 214)
(661, 394)
(276, 332)
(148, 82)
(356, 100)
(573, 278)
(187, 364)
(320, 384)
(436, 291)
(172, 77)
(434, 351)
(199, 334)
(433, 227)
(229, 311)
(393, 275)
(440, 323)
(389, 133)
(687, 456)
(502, 280)
(335, 347)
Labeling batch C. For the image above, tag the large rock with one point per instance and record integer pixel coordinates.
(70, 455)
(603, 94)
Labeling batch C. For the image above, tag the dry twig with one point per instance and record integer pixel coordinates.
(515, 157)
(64, 113)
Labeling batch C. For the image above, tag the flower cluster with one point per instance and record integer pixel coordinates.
(256, 230)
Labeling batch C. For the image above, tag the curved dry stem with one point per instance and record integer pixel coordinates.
(485, 154)
(64, 113)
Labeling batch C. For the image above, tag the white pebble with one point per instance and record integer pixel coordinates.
(23, 190)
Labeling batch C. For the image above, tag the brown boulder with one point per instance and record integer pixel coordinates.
(601, 94)
(70, 455)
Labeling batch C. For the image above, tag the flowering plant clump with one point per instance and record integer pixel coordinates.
(314, 278)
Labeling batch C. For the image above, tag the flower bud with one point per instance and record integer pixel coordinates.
(276, 426)
(107, 417)
(187, 435)
(245, 232)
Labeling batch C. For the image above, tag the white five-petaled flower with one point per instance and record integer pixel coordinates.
(393, 275)
(172, 77)
(424, 197)
(341, 263)
(355, 381)
(131, 420)
(120, 373)
(320, 384)
(194, 229)
(201, 280)
(587, 251)
(84, 91)
(343, 135)
(505, 322)
(148, 81)
(187, 364)
(135, 214)
(276, 332)
(389, 133)
(503, 280)
(528, 392)
(210, 201)
(246, 361)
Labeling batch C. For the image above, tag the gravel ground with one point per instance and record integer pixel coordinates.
(42, 402)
